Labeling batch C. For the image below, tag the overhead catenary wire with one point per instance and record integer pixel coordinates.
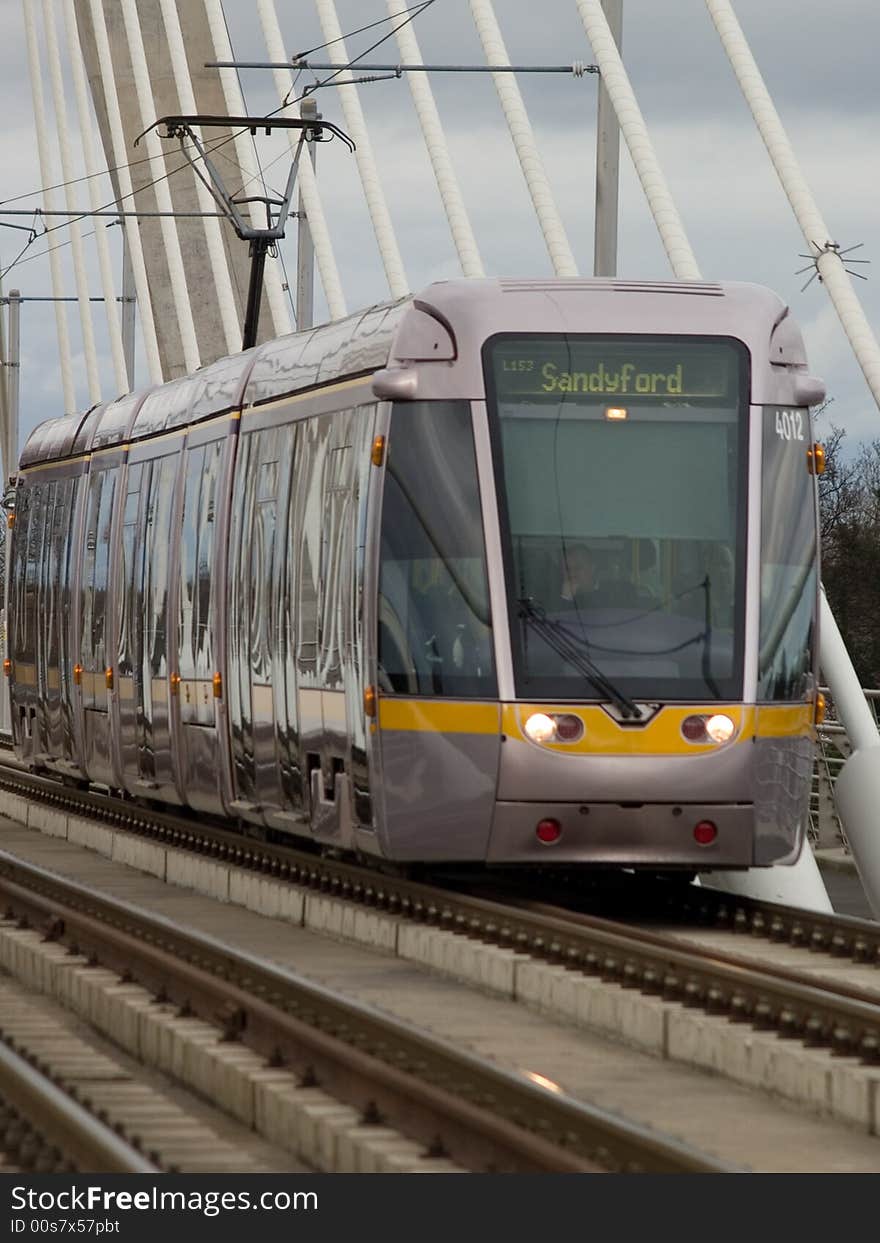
(213, 236)
(170, 237)
(68, 388)
(412, 9)
(438, 148)
(93, 373)
(132, 231)
(278, 307)
(306, 180)
(111, 309)
(356, 125)
(523, 138)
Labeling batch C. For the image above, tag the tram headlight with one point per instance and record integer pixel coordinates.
(703, 728)
(720, 728)
(540, 727)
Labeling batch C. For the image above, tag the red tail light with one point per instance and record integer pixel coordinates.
(705, 833)
(548, 831)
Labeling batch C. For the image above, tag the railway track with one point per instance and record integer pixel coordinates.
(43, 1129)
(830, 1014)
(457, 1105)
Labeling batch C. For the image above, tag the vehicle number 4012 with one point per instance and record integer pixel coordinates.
(790, 425)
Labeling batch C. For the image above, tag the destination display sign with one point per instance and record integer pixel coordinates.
(597, 368)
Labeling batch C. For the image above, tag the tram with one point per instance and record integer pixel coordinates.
(512, 571)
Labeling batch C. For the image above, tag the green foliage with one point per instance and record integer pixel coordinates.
(849, 509)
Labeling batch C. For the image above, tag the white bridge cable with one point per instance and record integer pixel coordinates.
(84, 117)
(213, 236)
(67, 385)
(93, 373)
(635, 133)
(355, 124)
(120, 156)
(244, 154)
(523, 137)
(306, 179)
(170, 238)
(437, 147)
(825, 252)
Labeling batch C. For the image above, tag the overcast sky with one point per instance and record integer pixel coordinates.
(820, 65)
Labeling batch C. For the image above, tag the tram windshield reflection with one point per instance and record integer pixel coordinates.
(621, 465)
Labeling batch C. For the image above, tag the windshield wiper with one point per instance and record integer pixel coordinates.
(565, 645)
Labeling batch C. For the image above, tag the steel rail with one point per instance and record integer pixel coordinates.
(824, 1013)
(63, 1123)
(845, 936)
(485, 1117)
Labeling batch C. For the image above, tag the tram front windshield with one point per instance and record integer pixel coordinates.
(621, 467)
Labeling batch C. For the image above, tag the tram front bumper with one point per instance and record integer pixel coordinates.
(653, 835)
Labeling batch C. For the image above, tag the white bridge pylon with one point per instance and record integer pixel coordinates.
(174, 255)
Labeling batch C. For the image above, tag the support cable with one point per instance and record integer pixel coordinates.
(825, 253)
(523, 137)
(68, 388)
(235, 105)
(111, 307)
(437, 147)
(355, 124)
(132, 229)
(213, 236)
(307, 182)
(93, 374)
(170, 238)
(632, 125)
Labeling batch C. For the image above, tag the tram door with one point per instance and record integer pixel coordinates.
(55, 725)
(26, 550)
(321, 639)
(142, 670)
(194, 696)
(95, 655)
(253, 614)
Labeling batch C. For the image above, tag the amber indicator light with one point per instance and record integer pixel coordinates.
(175, 683)
(108, 678)
(816, 460)
(377, 457)
(217, 683)
(77, 675)
(821, 708)
(7, 667)
(370, 701)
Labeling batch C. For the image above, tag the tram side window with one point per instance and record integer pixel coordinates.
(196, 581)
(435, 630)
(159, 503)
(96, 564)
(34, 572)
(57, 535)
(788, 559)
(131, 573)
(18, 620)
(189, 535)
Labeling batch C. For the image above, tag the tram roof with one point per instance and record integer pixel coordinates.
(448, 320)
